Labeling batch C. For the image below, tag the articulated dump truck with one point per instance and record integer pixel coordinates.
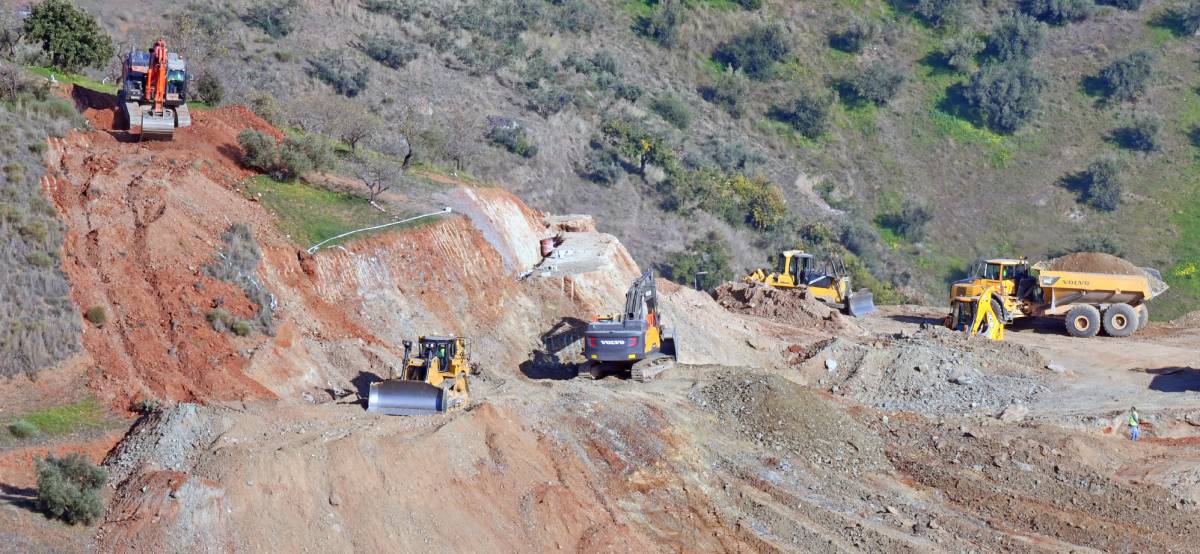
(1086, 302)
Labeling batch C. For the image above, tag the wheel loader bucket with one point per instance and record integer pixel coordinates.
(860, 303)
(399, 397)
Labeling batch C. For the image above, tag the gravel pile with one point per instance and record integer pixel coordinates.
(1097, 262)
(788, 305)
(170, 439)
(790, 419)
(935, 372)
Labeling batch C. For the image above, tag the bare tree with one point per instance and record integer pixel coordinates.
(11, 30)
(377, 174)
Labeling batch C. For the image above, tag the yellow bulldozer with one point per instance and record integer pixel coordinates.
(1086, 302)
(826, 280)
(433, 381)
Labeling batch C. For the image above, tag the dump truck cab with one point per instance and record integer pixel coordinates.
(1008, 278)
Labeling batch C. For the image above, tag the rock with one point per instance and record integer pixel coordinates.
(1013, 413)
(831, 364)
(335, 499)
(1056, 368)
(891, 510)
(933, 524)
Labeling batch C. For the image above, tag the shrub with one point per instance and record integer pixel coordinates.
(146, 406)
(68, 35)
(959, 52)
(633, 140)
(808, 113)
(258, 150)
(854, 35)
(709, 255)
(577, 16)
(733, 157)
(939, 13)
(237, 264)
(301, 154)
(602, 166)
(1016, 37)
(341, 71)
(22, 429)
(756, 51)
(402, 10)
(628, 91)
(219, 319)
(242, 327)
(764, 203)
(1126, 78)
(876, 83)
(1005, 95)
(909, 221)
(96, 315)
(1130, 5)
(672, 110)
(662, 24)
(276, 18)
(549, 101)
(209, 88)
(735, 198)
(40, 259)
(1103, 184)
(1184, 17)
(389, 51)
(68, 488)
(512, 137)
(1057, 12)
(1141, 135)
(729, 92)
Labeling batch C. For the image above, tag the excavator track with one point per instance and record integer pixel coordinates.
(650, 367)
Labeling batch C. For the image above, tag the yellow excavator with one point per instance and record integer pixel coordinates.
(979, 315)
(632, 340)
(433, 381)
(826, 280)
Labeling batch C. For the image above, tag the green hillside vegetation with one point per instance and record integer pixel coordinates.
(921, 134)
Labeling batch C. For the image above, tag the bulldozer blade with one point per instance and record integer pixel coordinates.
(397, 397)
(860, 303)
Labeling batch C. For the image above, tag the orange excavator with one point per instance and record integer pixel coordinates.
(153, 94)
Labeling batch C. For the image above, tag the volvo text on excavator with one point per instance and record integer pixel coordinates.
(153, 93)
(633, 340)
(436, 380)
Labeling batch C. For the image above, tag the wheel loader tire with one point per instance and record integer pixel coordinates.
(1143, 316)
(1083, 321)
(1120, 320)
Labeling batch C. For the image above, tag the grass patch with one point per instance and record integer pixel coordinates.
(62, 420)
(1184, 276)
(78, 80)
(310, 214)
(997, 149)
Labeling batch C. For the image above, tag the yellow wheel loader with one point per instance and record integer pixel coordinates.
(1086, 302)
(433, 381)
(826, 280)
(633, 340)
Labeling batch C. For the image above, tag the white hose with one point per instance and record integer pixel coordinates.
(313, 249)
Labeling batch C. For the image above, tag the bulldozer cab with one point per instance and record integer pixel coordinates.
(442, 349)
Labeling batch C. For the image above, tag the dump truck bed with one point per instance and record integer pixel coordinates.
(1061, 289)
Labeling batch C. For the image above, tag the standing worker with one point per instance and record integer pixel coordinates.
(1134, 422)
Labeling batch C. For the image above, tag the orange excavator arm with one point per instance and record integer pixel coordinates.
(156, 77)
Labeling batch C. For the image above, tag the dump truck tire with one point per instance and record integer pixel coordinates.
(1143, 316)
(1120, 320)
(1083, 321)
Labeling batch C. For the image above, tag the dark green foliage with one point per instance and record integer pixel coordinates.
(729, 92)
(96, 315)
(301, 154)
(402, 10)
(602, 166)
(209, 88)
(276, 18)
(1103, 184)
(854, 35)
(734, 157)
(258, 150)
(1184, 17)
(68, 35)
(68, 488)
(709, 255)
(1005, 95)
(513, 138)
(627, 91)
(219, 319)
(1016, 37)
(877, 83)
(1141, 135)
(549, 101)
(756, 51)
(576, 16)
(662, 24)
(237, 264)
(1130, 5)
(22, 429)
(1057, 12)
(909, 221)
(1126, 78)
(388, 50)
(633, 141)
(342, 71)
(808, 113)
(242, 327)
(672, 110)
(959, 52)
(939, 13)
(750, 4)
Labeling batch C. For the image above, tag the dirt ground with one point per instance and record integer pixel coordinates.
(780, 431)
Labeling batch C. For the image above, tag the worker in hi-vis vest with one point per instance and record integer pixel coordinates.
(1134, 423)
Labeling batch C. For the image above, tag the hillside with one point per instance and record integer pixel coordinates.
(452, 73)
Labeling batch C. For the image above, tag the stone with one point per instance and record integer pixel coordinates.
(1013, 413)
(831, 364)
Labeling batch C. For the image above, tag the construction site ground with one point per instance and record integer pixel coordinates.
(791, 430)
